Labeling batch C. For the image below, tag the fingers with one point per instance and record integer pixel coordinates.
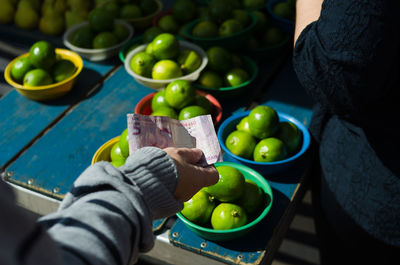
(189, 155)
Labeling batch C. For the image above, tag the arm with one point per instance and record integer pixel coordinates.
(307, 11)
(346, 59)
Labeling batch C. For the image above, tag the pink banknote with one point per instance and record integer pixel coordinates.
(162, 132)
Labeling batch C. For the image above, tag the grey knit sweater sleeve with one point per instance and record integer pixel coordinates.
(106, 218)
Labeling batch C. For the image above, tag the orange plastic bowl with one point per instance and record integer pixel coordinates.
(144, 106)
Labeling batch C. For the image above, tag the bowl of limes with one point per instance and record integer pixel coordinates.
(115, 150)
(164, 60)
(227, 74)
(232, 207)
(164, 103)
(283, 12)
(141, 16)
(268, 141)
(45, 72)
(99, 38)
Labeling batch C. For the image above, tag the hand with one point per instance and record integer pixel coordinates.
(191, 178)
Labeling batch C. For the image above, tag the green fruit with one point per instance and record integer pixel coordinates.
(62, 70)
(241, 144)
(228, 216)
(236, 77)
(191, 112)
(37, 77)
(189, 61)
(199, 208)
(263, 121)
(269, 150)
(158, 101)
(115, 153)
(124, 143)
(230, 184)
(165, 46)
(219, 59)
(20, 68)
(166, 69)
(101, 20)
(42, 55)
(165, 111)
(142, 64)
(105, 40)
(83, 38)
(252, 197)
(179, 93)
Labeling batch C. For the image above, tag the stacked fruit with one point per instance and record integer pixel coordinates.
(41, 67)
(224, 69)
(164, 58)
(260, 136)
(230, 203)
(101, 32)
(128, 9)
(180, 101)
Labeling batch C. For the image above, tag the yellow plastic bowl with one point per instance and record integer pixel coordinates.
(142, 23)
(52, 91)
(103, 153)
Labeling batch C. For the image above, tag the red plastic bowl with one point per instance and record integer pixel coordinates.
(144, 106)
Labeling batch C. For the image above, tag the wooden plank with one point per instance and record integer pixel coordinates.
(55, 160)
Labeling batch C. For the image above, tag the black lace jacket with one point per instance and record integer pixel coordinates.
(349, 61)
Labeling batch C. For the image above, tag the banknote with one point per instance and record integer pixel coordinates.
(162, 132)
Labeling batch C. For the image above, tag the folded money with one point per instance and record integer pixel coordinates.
(162, 132)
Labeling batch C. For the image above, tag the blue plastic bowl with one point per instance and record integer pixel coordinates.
(283, 23)
(264, 168)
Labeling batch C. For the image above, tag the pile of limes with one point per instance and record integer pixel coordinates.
(222, 18)
(180, 101)
(230, 203)
(224, 69)
(285, 9)
(129, 9)
(260, 136)
(164, 58)
(41, 67)
(120, 150)
(102, 31)
(147, 37)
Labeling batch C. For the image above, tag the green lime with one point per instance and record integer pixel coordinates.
(124, 143)
(42, 55)
(284, 10)
(20, 68)
(120, 31)
(112, 7)
(142, 64)
(166, 69)
(37, 77)
(220, 10)
(199, 208)
(252, 197)
(241, 143)
(130, 11)
(165, 46)
(202, 101)
(180, 93)
(184, 10)
(83, 37)
(168, 24)
(236, 77)
(228, 216)
(151, 33)
(100, 20)
(118, 163)
(63, 69)
(229, 27)
(269, 150)
(104, 40)
(272, 36)
(158, 101)
(263, 121)
(210, 79)
(242, 16)
(262, 21)
(219, 59)
(191, 112)
(230, 184)
(115, 153)
(205, 29)
(149, 48)
(243, 125)
(189, 61)
(165, 111)
(290, 135)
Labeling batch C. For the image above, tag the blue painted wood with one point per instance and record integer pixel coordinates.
(59, 157)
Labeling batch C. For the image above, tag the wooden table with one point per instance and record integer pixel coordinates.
(44, 146)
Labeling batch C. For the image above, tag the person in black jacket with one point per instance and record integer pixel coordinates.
(346, 55)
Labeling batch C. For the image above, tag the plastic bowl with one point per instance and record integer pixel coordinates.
(95, 54)
(160, 15)
(143, 23)
(269, 52)
(231, 42)
(264, 168)
(144, 106)
(52, 91)
(103, 153)
(226, 93)
(226, 235)
(283, 23)
(122, 53)
(158, 84)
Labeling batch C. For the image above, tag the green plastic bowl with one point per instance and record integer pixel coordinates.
(226, 93)
(230, 234)
(124, 50)
(231, 42)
